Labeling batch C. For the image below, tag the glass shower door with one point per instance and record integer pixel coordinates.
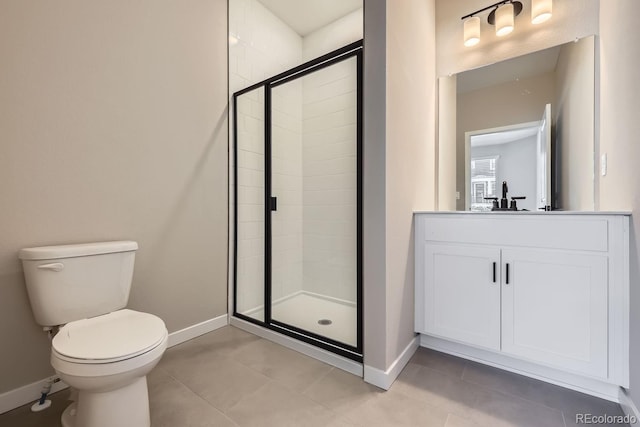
(249, 128)
(297, 189)
(313, 198)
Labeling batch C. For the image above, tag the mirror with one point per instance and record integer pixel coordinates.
(528, 121)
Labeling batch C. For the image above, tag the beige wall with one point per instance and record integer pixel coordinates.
(571, 19)
(113, 126)
(399, 156)
(619, 130)
(574, 115)
(410, 159)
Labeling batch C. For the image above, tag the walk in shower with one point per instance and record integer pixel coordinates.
(298, 193)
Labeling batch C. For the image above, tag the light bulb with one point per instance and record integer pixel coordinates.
(504, 20)
(472, 31)
(540, 11)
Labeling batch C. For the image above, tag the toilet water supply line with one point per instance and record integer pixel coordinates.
(51, 331)
(43, 403)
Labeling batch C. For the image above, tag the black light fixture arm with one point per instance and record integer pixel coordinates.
(495, 5)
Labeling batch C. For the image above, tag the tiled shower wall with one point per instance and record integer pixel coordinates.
(265, 45)
(329, 163)
(286, 185)
(313, 158)
(329, 184)
(254, 34)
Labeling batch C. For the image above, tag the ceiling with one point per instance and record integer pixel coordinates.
(307, 16)
(502, 137)
(517, 68)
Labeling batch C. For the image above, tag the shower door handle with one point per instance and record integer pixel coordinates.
(273, 203)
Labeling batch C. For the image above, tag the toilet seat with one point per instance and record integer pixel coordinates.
(109, 338)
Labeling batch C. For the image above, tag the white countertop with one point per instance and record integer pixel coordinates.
(627, 213)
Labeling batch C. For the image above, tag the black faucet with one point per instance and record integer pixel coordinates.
(504, 201)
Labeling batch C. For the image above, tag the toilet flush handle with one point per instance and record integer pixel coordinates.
(56, 266)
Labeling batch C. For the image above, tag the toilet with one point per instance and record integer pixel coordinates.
(101, 349)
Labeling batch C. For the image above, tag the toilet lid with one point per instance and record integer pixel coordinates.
(119, 335)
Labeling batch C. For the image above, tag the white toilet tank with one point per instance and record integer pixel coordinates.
(73, 282)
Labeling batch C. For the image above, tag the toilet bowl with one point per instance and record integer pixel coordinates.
(106, 360)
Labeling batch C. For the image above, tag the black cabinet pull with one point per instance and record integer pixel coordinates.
(507, 281)
(494, 272)
(273, 203)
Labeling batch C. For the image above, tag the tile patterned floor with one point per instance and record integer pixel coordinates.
(232, 378)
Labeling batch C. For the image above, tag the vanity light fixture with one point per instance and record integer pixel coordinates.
(502, 15)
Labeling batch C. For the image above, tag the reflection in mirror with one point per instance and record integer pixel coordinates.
(504, 97)
(518, 155)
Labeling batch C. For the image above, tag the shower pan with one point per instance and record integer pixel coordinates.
(298, 202)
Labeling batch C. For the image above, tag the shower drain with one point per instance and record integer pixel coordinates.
(324, 322)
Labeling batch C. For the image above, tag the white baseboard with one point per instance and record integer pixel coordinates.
(26, 394)
(193, 331)
(29, 393)
(629, 407)
(384, 379)
(322, 355)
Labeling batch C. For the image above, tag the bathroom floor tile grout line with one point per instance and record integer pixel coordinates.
(257, 371)
(518, 397)
(197, 395)
(274, 379)
(464, 371)
(300, 392)
(563, 410)
(511, 395)
(253, 392)
(224, 412)
(271, 380)
(308, 387)
(258, 390)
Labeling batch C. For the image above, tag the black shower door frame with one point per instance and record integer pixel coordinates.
(339, 55)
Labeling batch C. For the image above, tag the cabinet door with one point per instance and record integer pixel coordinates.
(462, 294)
(554, 309)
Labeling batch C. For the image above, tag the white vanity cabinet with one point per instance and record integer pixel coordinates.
(546, 291)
